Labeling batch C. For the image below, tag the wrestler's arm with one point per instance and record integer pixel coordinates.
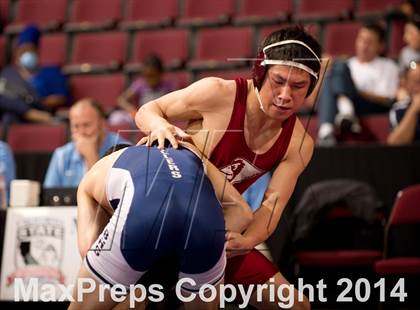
(276, 197)
(93, 211)
(185, 104)
(237, 213)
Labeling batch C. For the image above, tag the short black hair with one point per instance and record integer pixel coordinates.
(115, 148)
(415, 21)
(96, 105)
(294, 51)
(153, 61)
(376, 28)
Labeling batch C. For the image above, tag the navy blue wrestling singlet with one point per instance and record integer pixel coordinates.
(164, 205)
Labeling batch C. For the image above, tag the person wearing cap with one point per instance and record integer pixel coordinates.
(247, 128)
(364, 84)
(404, 115)
(28, 91)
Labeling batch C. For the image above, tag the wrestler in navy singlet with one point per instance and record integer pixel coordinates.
(164, 204)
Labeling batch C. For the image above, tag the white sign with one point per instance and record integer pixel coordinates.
(39, 243)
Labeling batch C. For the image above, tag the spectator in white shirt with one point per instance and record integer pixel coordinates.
(364, 84)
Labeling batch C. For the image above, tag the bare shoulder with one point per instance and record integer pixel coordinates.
(213, 92)
(217, 86)
(94, 181)
(105, 163)
(301, 144)
(218, 83)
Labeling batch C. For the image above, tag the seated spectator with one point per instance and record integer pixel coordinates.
(90, 141)
(410, 7)
(404, 115)
(411, 51)
(146, 88)
(29, 92)
(7, 171)
(364, 84)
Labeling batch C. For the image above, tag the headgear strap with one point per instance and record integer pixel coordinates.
(299, 65)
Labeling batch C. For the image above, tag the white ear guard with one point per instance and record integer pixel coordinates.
(295, 64)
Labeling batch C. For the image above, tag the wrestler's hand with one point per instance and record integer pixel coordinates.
(236, 244)
(167, 131)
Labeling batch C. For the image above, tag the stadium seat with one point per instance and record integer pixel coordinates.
(226, 74)
(2, 51)
(402, 249)
(345, 249)
(105, 88)
(89, 15)
(47, 14)
(312, 28)
(36, 138)
(205, 13)
(377, 126)
(4, 12)
(215, 46)
(338, 258)
(142, 14)
(375, 129)
(97, 52)
(324, 9)
(396, 42)
(263, 11)
(340, 38)
(375, 9)
(53, 49)
(170, 45)
(181, 79)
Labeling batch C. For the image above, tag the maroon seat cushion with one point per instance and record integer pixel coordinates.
(398, 265)
(338, 258)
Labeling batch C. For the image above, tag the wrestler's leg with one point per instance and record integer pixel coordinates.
(199, 304)
(126, 303)
(265, 303)
(90, 300)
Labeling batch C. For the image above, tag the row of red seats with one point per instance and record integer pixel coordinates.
(106, 51)
(107, 87)
(400, 257)
(45, 138)
(375, 128)
(138, 14)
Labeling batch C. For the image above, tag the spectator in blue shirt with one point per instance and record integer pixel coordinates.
(7, 167)
(30, 92)
(90, 141)
(404, 115)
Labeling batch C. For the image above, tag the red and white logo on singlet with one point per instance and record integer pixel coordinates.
(239, 170)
